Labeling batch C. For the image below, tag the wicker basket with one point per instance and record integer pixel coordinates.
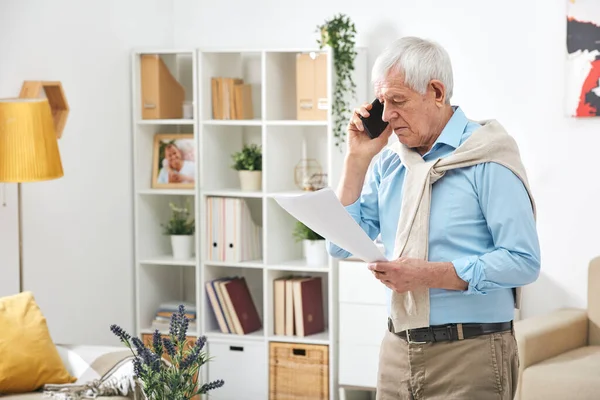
(298, 371)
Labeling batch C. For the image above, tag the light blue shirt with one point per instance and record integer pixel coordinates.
(481, 220)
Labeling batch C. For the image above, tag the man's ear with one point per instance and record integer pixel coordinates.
(439, 91)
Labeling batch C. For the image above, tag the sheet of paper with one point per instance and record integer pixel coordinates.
(322, 212)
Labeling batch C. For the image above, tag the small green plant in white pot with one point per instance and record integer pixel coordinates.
(313, 245)
(248, 163)
(181, 229)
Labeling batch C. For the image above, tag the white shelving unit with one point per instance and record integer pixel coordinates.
(241, 360)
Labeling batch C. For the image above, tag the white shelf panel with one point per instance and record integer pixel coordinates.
(297, 265)
(317, 338)
(168, 260)
(232, 193)
(296, 123)
(166, 121)
(167, 192)
(245, 264)
(226, 337)
(233, 122)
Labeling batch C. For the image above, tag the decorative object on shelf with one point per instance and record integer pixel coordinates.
(56, 98)
(28, 150)
(181, 229)
(339, 34)
(309, 176)
(583, 66)
(313, 245)
(162, 96)
(174, 378)
(248, 162)
(174, 161)
(188, 110)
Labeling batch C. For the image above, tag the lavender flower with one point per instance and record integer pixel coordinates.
(162, 380)
(211, 386)
(120, 332)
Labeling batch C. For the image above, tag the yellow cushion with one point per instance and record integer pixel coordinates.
(29, 358)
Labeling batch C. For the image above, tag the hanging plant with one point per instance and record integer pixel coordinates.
(338, 33)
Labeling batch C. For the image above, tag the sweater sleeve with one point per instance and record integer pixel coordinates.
(506, 206)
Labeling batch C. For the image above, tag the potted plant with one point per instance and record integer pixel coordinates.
(181, 228)
(248, 163)
(168, 368)
(339, 34)
(313, 245)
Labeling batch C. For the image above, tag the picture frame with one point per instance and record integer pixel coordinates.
(174, 161)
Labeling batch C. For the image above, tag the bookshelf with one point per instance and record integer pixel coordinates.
(241, 360)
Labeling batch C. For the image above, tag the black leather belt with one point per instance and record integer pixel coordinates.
(441, 333)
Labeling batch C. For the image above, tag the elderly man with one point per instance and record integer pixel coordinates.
(452, 204)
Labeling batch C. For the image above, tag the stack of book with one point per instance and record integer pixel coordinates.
(298, 306)
(162, 318)
(232, 235)
(231, 98)
(233, 305)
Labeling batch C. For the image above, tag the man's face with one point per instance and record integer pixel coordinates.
(173, 155)
(413, 116)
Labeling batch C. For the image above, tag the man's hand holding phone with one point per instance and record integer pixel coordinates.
(360, 130)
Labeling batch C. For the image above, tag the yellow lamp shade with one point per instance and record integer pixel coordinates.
(28, 144)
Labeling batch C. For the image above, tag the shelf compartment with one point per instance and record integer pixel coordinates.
(162, 285)
(281, 246)
(281, 306)
(300, 157)
(282, 83)
(152, 213)
(171, 75)
(220, 142)
(243, 65)
(253, 278)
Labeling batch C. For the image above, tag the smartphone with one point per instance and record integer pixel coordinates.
(374, 125)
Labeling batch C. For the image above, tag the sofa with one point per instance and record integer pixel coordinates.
(559, 353)
(110, 367)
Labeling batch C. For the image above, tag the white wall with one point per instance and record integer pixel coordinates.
(78, 230)
(509, 61)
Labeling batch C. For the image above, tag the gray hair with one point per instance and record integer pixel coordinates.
(419, 60)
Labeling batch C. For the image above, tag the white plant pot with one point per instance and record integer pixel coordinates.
(251, 180)
(315, 253)
(183, 246)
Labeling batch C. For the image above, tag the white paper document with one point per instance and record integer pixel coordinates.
(322, 212)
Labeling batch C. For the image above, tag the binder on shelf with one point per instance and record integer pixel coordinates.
(311, 87)
(233, 306)
(232, 234)
(161, 94)
(231, 98)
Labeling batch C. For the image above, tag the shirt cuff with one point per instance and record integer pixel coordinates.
(467, 270)
(354, 209)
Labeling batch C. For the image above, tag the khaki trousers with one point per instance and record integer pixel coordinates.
(480, 368)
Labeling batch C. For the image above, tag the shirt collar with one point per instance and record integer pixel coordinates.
(454, 129)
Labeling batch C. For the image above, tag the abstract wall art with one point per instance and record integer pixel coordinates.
(583, 58)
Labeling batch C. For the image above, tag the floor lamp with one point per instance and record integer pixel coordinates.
(28, 150)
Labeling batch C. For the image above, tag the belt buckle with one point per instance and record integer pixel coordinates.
(409, 339)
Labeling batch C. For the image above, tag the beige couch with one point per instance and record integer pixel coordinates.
(559, 353)
(88, 363)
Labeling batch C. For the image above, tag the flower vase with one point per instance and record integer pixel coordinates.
(182, 246)
(315, 253)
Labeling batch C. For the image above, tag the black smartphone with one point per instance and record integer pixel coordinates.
(374, 125)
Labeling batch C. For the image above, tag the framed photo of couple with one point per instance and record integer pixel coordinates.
(174, 161)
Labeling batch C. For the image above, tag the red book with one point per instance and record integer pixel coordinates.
(242, 308)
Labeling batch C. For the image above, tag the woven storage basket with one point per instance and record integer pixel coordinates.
(298, 371)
